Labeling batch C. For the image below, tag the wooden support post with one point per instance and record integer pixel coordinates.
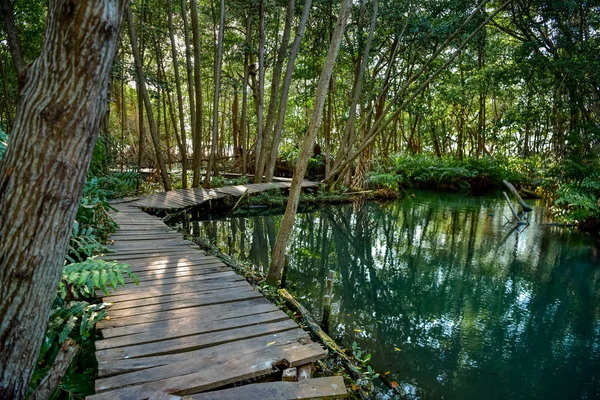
(327, 302)
(289, 375)
(305, 372)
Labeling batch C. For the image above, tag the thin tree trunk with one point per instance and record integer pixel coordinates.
(287, 222)
(197, 156)
(215, 122)
(142, 84)
(261, 88)
(244, 127)
(183, 147)
(349, 136)
(379, 125)
(285, 90)
(42, 174)
(264, 153)
(190, 85)
(14, 46)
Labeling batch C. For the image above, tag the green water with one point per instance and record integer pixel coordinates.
(446, 297)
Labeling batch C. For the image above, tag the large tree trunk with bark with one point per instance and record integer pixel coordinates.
(285, 228)
(42, 174)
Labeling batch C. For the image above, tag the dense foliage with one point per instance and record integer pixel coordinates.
(476, 88)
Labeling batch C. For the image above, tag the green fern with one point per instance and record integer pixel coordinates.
(81, 280)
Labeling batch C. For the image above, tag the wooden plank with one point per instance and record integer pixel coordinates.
(172, 259)
(201, 298)
(180, 272)
(239, 347)
(125, 255)
(319, 388)
(209, 312)
(130, 292)
(185, 377)
(190, 337)
(241, 308)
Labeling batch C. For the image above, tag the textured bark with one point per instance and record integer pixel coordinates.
(63, 359)
(215, 121)
(183, 147)
(285, 90)
(61, 107)
(285, 228)
(197, 156)
(141, 80)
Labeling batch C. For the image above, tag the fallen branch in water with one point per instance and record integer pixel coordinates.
(512, 189)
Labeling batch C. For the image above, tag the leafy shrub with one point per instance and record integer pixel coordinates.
(574, 188)
(425, 170)
(74, 316)
(272, 197)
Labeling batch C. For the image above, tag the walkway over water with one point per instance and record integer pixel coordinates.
(185, 198)
(193, 326)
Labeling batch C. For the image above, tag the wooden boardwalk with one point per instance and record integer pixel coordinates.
(185, 198)
(192, 326)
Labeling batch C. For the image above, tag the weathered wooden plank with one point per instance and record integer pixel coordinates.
(209, 312)
(124, 255)
(239, 347)
(180, 272)
(189, 365)
(319, 388)
(185, 377)
(190, 337)
(201, 298)
(190, 301)
(171, 259)
(130, 292)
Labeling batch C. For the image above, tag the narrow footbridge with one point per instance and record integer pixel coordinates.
(194, 328)
(186, 198)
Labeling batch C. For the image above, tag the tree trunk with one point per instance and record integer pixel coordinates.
(190, 85)
(285, 90)
(42, 174)
(349, 135)
(197, 156)
(275, 88)
(141, 80)
(14, 46)
(244, 122)
(287, 222)
(261, 89)
(183, 148)
(215, 122)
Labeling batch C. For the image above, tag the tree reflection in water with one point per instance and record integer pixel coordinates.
(449, 299)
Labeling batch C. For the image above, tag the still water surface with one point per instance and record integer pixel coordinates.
(447, 297)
